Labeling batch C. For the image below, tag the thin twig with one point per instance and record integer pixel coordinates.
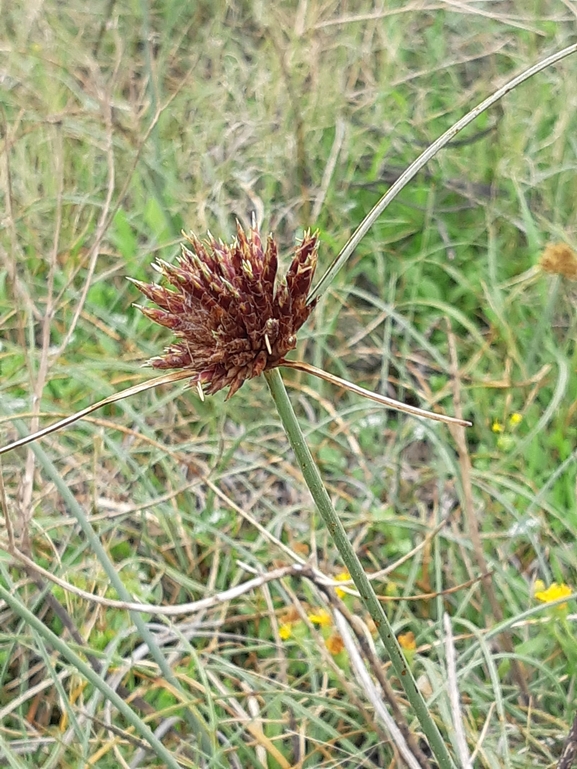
(166, 611)
(454, 699)
(472, 522)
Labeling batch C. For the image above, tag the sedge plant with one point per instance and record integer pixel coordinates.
(234, 319)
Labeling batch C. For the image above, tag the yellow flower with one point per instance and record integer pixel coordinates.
(408, 644)
(407, 641)
(344, 576)
(322, 618)
(553, 593)
(515, 419)
(497, 427)
(285, 631)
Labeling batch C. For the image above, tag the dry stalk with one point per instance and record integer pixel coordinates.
(470, 516)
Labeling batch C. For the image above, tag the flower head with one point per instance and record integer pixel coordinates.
(335, 644)
(554, 592)
(321, 617)
(344, 576)
(408, 644)
(559, 259)
(285, 631)
(407, 641)
(232, 317)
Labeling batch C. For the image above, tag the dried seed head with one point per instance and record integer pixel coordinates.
(559, 259)
(233, 319)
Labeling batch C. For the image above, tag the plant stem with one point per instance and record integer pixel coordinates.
(350, 559)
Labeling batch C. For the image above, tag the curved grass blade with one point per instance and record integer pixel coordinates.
(377, 397)
(422, 160)
(134, 390)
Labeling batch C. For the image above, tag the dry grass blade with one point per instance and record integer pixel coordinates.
(377, 397)
(452, 682)
(134, 390)
(364, 679)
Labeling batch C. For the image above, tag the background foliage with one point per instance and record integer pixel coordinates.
(125, 122)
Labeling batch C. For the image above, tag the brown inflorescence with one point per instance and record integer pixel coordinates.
(559, 259)
(231, 315)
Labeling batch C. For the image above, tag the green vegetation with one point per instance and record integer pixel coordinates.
(123, 123)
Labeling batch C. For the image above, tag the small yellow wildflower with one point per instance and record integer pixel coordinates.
(285, 631)
(407, 641)
(553, 593)
(344, 576)
(322, 618)
(515, 419)
(497, 427)
(408, 644)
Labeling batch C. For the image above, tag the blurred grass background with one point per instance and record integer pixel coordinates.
(123, 123)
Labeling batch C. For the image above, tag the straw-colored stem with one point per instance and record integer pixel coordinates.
(377, 397)
(351, 561)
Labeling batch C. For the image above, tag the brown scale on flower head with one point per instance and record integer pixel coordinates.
(232, 317)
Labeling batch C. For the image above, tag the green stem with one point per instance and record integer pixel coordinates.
(350, 559)
(543, 322)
